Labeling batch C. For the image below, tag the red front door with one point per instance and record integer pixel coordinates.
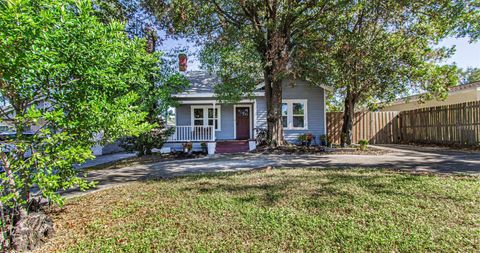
(242, 122)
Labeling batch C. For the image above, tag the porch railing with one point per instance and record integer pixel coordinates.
(192, 133)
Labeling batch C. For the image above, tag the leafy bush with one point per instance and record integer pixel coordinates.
(68, 77)
(145, 142)
(363, 144)
(305, 139)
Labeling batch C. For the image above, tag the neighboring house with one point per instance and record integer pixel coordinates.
(6, 127)
(195, 119)
(457, 94)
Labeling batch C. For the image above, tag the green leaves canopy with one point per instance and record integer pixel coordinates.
(386, 45)
(68, 78)
(370, 51)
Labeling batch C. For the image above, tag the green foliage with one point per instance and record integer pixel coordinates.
(239, 68)
(145, 142)
(363, 144)
(376, 51)
(68, 78)
(370, 51)
(323, 137)
(247, 43)
(302, 138)
(155, 100)
(469, 75)
(305, 138)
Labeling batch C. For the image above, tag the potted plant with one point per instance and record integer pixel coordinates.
(204, 147)
(323, 140)
(187, 147)
(309, 139)
(329, 141)
(302, 139)
(363, 145)
(211, 146)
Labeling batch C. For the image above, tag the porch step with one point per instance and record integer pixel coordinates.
(224, 147)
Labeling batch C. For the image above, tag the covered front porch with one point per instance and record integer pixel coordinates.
(203, 120)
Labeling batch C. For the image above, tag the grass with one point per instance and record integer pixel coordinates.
(277, 210)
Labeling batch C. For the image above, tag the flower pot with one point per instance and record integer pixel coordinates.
(252, 145)
(211, 148)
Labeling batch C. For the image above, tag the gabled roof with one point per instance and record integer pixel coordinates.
(202, 84)
(465, 86)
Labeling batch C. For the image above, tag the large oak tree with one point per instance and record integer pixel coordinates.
(380, 50)
(367, 50)
(246, 42)
(67, 77)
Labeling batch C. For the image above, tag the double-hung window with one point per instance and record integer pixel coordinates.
(294, 114)
(204, 115)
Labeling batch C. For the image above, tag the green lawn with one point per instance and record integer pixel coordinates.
(279, 210)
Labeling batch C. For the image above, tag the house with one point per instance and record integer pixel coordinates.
(200, 117)
(457, 94)
(7, 128)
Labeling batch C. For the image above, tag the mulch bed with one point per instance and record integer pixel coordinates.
(147, 159)
(292, 149)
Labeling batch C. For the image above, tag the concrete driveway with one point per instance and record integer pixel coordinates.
(403, 157)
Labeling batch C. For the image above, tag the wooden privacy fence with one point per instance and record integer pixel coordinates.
(376, 127)
(450, 124)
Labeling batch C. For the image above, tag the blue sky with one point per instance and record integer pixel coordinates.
(466, 54)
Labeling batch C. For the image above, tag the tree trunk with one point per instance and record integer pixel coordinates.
(348, 114)
(20, 126)
(273, 95)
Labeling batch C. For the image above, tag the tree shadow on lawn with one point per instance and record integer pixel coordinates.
(334, 183)
(268, 193)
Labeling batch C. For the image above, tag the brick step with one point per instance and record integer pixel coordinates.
(225, 147)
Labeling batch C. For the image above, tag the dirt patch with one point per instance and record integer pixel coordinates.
(147, 159)
(292, 149)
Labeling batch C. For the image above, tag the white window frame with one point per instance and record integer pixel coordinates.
(205, 115)
(290, 115)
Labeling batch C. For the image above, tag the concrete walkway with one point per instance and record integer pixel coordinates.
(403, 157)
(104, 159)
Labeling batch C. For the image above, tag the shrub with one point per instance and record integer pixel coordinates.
(363, 144)
(305, 139)
(145, 142)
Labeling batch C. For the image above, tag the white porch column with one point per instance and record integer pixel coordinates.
(214, 118)
(254, 132)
